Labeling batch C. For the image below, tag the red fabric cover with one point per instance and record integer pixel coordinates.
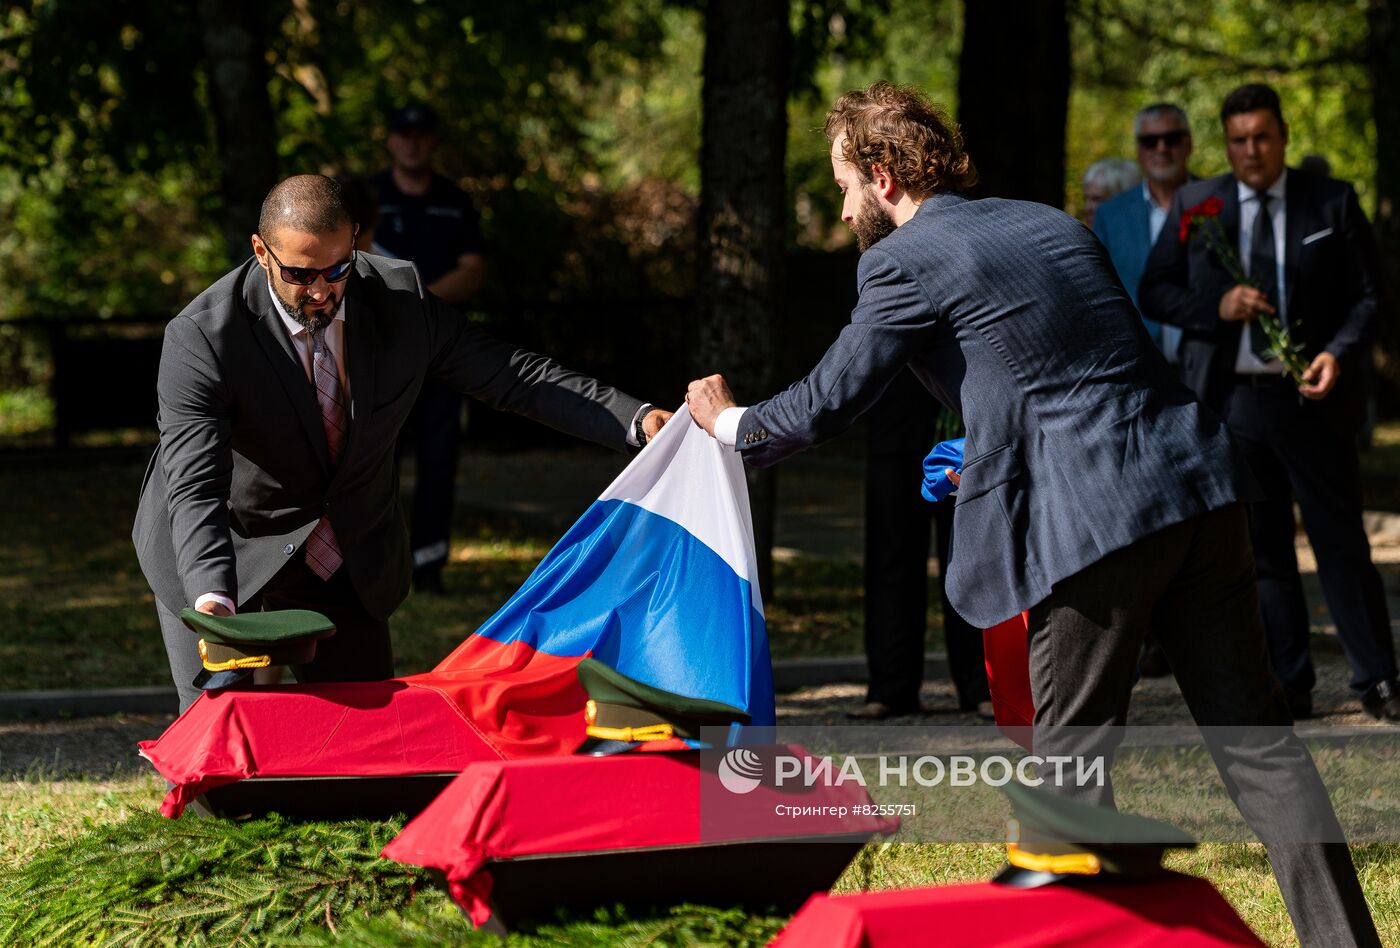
(503, 809)
(1009, 677)
(1173, 910)
(485, 701)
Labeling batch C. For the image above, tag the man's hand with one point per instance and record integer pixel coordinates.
(1320, 377)
(1243, 303)
(212, 608)
(653, 420)
(708, 397)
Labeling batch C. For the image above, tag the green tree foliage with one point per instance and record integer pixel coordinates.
(1129, 53)
(101, 148)
(575, 125)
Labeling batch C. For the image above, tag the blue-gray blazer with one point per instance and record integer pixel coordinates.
(1080, 439)
(1122, 224)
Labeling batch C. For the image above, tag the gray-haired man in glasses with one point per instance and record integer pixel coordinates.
(282, 389)
(1129, 223)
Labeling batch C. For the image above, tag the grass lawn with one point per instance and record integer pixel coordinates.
(75, 611)
(206, 867)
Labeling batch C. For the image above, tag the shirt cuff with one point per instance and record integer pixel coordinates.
(220, 598)
(632, 428)
(727, 426)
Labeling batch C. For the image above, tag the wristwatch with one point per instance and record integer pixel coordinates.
(638, 431)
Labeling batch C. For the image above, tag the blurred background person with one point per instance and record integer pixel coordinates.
(902, 427)
(1128, 224)
(1102, 180)
(363, 204)
(1316, 164)
(426, 218)
(1310, 257)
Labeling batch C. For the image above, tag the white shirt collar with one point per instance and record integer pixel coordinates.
(1276, 190)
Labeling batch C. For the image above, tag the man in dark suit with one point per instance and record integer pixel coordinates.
(901, 427)
(282, 389)
(1310, 255)
(1096, 493)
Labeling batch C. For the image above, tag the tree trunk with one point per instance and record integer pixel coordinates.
(236, 64)
(1013, 96)
(743, 214)
(1384, 17)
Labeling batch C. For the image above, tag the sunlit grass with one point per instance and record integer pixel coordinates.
(39, 814)
(75, 611)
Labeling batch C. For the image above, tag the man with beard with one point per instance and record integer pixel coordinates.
(1097, 494)
(282, 389)
(1128, 224)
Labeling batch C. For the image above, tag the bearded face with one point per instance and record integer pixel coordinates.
(308, 312)
(871, 224)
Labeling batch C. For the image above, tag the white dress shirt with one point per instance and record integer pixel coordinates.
(302, 343)
(1246, 362)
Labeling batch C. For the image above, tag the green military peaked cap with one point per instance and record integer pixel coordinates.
(1052, 836)
(232, 647)
(623, 712)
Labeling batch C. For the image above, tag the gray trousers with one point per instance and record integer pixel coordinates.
(360, 650)
(1193, 585)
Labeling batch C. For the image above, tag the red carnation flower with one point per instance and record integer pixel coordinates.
(1210, 207)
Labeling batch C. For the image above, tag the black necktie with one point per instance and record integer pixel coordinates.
(1263, 270)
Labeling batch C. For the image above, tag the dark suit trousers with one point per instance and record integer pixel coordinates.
(1295, 453)
(897, 523)
(360, 650)
(1193, 585)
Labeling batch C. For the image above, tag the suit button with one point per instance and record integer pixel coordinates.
(326, 504)
(288, 549)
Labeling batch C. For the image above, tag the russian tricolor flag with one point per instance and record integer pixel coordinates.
(657, 579)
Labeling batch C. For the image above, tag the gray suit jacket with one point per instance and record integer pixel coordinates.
(242, 472)
(1080, 440)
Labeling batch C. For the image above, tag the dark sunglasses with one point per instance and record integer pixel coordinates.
(305, 276)
(1172, 139)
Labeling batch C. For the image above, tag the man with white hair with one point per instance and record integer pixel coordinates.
(1104, 179)
(1129, 224)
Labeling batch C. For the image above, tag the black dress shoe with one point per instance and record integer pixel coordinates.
(879, 711)
(1382, 701)
(1299, 704)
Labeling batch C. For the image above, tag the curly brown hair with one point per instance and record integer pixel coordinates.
(900, 129)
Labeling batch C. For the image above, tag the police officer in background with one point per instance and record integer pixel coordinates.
(426, 218)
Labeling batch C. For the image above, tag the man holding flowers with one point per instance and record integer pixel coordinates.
(1271, 273)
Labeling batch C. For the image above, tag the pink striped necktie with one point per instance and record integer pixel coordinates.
(322, 550)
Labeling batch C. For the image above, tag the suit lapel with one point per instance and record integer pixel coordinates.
(359, 362)
(1229, 195)
(1230, 213)
(1295, 208)
(272, 336)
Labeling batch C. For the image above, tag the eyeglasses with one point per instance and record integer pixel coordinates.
(305, 276)
(1170, 139)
